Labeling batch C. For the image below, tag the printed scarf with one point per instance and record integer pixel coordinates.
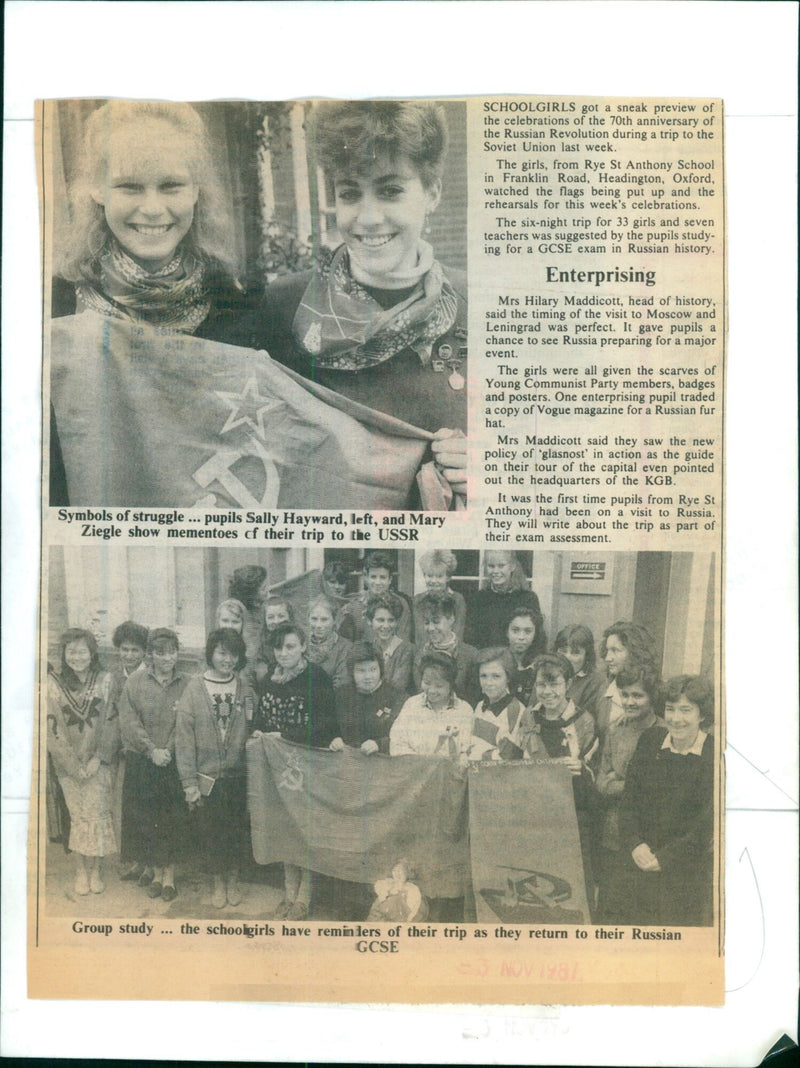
(319, 649)
(172, 296)
(345, 329)
(283, 676)
(449, 646)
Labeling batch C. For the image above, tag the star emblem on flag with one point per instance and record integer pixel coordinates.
(248, 408)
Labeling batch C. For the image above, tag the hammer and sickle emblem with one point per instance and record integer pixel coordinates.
(292, 777)
(218, 469)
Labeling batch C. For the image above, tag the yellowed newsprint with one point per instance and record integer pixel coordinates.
(380, 653)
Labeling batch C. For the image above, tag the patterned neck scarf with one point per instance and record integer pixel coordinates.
(448, 646)
(345, 329)
(319, 649)
(285, 675)
(174, 295)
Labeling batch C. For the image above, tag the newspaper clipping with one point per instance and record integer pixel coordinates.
(380, 653)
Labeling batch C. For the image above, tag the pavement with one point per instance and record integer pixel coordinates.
(261, 888)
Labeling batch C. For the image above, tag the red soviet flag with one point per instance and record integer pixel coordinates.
(148, 417)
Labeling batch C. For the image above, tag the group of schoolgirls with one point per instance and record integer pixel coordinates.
(352, 678)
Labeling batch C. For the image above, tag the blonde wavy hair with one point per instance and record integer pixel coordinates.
(211, 236)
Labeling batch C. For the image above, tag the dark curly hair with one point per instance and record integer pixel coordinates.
(350, 134)
(133, 633)
(390, 601)
(636, 639)
(551, 665)
(436, 605)
(648, 677)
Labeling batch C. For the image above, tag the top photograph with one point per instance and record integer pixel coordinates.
(255, 305)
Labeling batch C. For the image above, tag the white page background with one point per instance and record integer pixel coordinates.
(743, 52)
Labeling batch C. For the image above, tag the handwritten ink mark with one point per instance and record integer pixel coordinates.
(732, 990)
(763, 774)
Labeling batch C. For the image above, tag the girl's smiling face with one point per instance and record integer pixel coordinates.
(499, 567)
(380, 215)
(436, 580)
(440, 628)
(77, 656)
(635, 700)
(551, 690)
(223, 661)
(148, 193)
(230, 620)
(575, 655)
(164, 660)
(493, 680)
(384, 625)
(320, 622)
(131, 655)
(436, 687)
(683, 719)
(378, 580)
(275, 614)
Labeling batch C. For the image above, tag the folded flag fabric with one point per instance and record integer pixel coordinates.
(147, 416)
(524, 845)
(354, 816)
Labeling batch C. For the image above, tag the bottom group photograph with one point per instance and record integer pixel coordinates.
(446, 736)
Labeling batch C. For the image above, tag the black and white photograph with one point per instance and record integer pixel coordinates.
(432, 736)
(381, 644)
(257, 304)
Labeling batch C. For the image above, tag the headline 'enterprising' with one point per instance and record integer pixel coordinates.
(599, 277)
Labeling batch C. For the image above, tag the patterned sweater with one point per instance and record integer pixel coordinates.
(302, 710)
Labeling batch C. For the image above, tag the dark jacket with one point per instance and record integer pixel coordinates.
(489, 614)
(400, 386)
(363, 717)
(466, 683)
(667, 803)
